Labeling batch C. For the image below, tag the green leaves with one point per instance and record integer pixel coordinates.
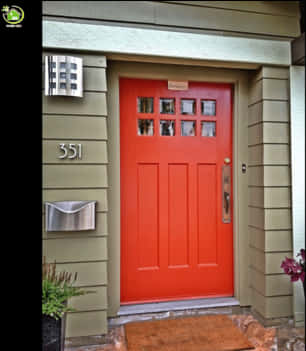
(57, 288)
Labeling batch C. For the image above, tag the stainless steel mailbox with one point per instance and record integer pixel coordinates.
(70, 215)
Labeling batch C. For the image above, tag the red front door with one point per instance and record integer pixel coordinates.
(176, 226)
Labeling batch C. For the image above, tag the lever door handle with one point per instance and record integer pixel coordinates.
(226, 193)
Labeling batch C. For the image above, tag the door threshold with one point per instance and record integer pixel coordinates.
(127, 310)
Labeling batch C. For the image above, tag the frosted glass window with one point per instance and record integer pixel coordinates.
(167, 106)
(145, 127)
(188, 128)
(208, 107)
(188, 107)
(167, 127)
(208, 129)
(145, 104)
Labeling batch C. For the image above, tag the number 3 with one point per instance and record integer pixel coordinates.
(63, 147)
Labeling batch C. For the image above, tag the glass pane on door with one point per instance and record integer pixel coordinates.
(145, 127)
(167, 127)
(145, 104)
(188, 128)
(167, 106)
(188, 106)
(208, 129)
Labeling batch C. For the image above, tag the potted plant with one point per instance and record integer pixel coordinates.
(57, 288)
(294, 268)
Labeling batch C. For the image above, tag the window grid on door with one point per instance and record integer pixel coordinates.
(172, 127)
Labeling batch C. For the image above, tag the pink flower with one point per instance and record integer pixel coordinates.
(295, 269)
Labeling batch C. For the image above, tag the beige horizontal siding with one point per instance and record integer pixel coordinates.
(256, 217)
(269, 111)
(270, 218)
(80, 121)
(269, 154)
(75, 249)
(270, 197)
(94, 79)
(269, 89)
(92, 103)
(276, 175)
(272, 307)
(277, 219)
(269, 176)
(129, 11)
(268, 132)
(270, 72)
(74, 127)
(270, 240)
(97, 300)
(275, 132)
(86, 323)
(267, 262)
(227, 19)
(74, 176)
(269, 191)
(284, 8)
(271, 285)
(89, 273)
(92, 152)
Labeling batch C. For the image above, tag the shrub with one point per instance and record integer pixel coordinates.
(57, 288)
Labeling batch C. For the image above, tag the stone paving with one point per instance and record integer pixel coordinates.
(283, 337)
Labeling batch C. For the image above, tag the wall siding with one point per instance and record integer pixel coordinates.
(269, 191)
(253, 18)
(81, 121)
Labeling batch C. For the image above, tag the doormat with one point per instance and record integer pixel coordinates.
(200, 333)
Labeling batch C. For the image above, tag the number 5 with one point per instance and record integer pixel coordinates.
(74, 151)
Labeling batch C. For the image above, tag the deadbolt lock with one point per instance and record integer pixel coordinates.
(227, 160)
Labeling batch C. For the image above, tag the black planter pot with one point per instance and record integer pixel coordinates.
(53, 333)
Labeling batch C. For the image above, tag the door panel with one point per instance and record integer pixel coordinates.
(174, 243)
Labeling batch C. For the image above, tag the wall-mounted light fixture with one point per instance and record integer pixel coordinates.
(63, 76)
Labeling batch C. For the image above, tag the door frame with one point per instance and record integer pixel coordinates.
(239, 80)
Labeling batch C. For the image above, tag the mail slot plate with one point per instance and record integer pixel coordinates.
(70, 215)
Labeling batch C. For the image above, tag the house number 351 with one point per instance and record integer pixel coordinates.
(71, 151)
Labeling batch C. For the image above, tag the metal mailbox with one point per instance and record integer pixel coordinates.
(70, 215)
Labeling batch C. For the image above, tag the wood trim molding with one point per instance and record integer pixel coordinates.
(164, 44)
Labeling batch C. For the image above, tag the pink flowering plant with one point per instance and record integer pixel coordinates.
(294, 268)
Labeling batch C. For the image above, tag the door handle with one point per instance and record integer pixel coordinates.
(226, 193)
(227, 201)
